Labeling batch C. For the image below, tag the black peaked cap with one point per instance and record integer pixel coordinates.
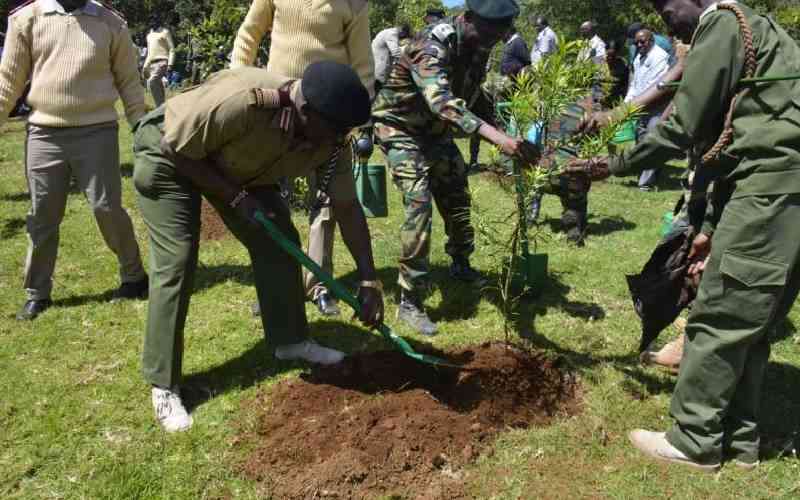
(335, 91)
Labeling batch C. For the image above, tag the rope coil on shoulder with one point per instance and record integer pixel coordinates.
(750, 66)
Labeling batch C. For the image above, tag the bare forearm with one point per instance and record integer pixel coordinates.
(355, 233)
(491, 134)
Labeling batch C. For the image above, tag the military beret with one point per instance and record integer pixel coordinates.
(435, 12)
(335, 91)
(494, 10)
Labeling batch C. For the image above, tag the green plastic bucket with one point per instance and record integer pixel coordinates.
(666, 223)
(531, 273)
(371, 189)
(625, 134)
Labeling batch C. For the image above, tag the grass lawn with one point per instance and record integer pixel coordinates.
(77, 421)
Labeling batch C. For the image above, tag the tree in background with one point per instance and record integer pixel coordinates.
(213, 23)
(212, 36)
(613, 16)
(388, 13)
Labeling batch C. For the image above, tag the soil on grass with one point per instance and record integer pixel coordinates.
(383, 424)
(211, 225)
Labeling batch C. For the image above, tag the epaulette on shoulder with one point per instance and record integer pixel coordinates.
(21, 6)
(111, 9)
(269, 98)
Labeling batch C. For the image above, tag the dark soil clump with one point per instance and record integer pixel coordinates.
(211, 225)
(382, 423)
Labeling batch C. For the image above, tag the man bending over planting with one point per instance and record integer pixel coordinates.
(230, 140)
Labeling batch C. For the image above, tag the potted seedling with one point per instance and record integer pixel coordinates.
(542, 106)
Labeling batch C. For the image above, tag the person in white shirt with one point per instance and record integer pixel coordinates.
(386, 50)
(546, 41)
(649, 67)
(597, 47)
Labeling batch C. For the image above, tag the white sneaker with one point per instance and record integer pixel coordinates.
(746, 465)
(310, 351)
(170, 411)
(655, 445)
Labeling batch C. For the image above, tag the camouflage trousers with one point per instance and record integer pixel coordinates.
(424, 173)
(574, 196)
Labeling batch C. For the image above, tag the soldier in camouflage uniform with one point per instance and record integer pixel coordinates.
(422, 106)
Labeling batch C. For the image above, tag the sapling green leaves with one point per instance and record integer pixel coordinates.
(537, 99)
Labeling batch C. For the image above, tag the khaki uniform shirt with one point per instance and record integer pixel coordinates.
(252, 144)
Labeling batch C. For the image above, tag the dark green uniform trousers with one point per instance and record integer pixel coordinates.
(170, 206)
(749, 285)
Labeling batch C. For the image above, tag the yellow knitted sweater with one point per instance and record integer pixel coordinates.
(79, 64)
(160, 47)
(308, 31)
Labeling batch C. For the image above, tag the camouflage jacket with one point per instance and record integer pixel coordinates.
(429, 91)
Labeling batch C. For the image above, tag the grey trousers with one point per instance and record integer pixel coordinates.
(155, 82)
(321, 234)
(649, 177)
(91, 155)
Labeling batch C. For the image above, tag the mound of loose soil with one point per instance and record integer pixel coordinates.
(382, 423)
(211, 225)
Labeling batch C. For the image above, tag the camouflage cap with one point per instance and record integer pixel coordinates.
(335, 91)
(494, 10)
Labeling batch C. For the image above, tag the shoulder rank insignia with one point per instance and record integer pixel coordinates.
(269, 98)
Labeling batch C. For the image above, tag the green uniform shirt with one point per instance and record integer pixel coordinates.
(429, 90)
(764, 157)
(250, 142)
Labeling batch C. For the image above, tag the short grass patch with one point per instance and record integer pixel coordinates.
(77, 420)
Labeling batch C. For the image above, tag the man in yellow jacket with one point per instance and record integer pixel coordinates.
(303, 33)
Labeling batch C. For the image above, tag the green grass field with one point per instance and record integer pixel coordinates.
(77, 421)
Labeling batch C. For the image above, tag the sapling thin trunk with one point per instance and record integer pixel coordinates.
(540, 96)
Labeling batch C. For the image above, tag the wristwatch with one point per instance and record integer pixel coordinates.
(377, 285)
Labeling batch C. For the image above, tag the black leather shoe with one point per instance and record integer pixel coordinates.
(33, 308)
(461, 270)
(132, 290)
(327, 305)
